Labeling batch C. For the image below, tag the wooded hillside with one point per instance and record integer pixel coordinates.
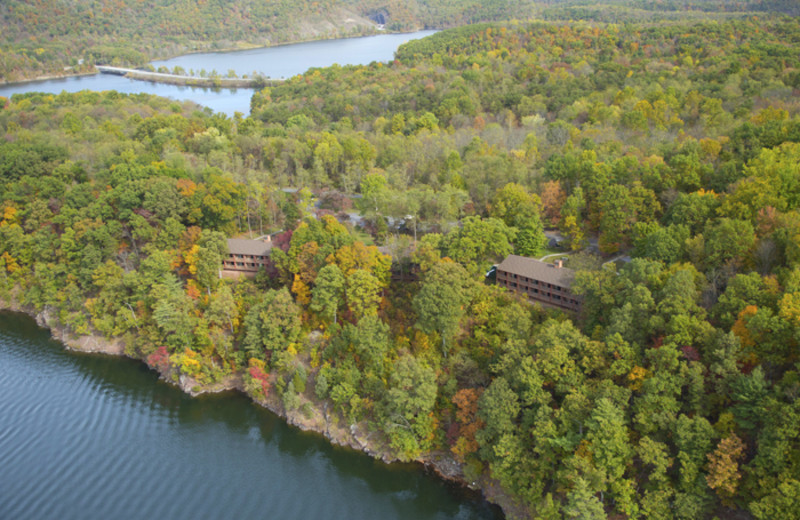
(43, 36)
(672, 394)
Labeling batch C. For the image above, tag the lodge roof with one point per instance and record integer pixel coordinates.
(240, 246)
(537, 270)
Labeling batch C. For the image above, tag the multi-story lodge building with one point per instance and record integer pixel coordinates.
(548, 284)
(245, 257)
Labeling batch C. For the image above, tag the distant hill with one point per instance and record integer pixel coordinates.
(51, 37)
(42, 37)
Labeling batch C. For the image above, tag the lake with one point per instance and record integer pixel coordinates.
(278, 62)
(96, 437)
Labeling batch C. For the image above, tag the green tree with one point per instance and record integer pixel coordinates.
(222, 308)
(441, 301)
(374, 193)
(478, 242)
(328, 292)
(782, 503)
(582, 503)
(530, 240)
(498, 408)
(609, 442)
(173, 314)
(572, 221)
(727, 240)
(208, 263)
(363, 293)
(617, 216)
(408, 406)
(271, 325)
(515, 206)
(742, 290)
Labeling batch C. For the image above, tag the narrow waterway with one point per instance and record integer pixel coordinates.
(285, 61)
(279, 62)
(91, 436)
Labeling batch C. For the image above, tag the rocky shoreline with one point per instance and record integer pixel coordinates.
(355, 436)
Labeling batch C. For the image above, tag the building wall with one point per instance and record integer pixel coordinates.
(234, 275)
(244, 263)
(538, 291)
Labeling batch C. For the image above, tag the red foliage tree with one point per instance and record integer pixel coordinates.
(159, 360)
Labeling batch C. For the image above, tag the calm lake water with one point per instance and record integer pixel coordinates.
(275, 62)
(98, 437)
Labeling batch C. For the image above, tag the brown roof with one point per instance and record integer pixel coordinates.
(240, 246)
(537, 270)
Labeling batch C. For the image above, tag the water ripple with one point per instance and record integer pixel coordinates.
(90, 437)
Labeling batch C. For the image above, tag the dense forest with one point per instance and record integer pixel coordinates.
(672, 394)
(55, 37)
(45, 36)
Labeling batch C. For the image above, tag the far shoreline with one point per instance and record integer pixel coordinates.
(240, 47)
(48, 77)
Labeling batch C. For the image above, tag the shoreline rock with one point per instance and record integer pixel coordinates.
(88, 343)
(354, 436)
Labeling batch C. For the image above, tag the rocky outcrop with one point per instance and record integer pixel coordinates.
(84, 343)
(380, 16)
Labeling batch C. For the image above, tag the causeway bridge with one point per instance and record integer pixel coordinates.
(119, 71)
(177, 79)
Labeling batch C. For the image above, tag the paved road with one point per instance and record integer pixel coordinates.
(545, 257)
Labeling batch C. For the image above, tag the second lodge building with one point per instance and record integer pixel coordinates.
(245, 257)
(548, 284)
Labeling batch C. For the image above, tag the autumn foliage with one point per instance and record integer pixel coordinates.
(466, 401)
(258, 380)
(723, 467)
(159, 360)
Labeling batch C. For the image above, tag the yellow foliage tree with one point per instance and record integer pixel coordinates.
(301, 291)
(723, 468)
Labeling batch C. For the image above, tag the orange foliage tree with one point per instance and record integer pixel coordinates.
(466, 400)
